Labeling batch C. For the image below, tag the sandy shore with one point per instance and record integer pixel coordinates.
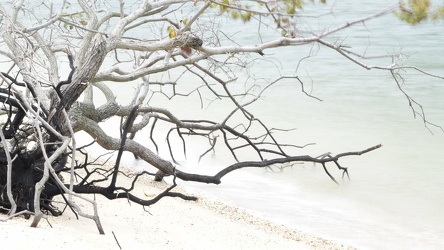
(169, 224)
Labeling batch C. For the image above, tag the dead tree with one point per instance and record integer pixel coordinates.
(42, 112)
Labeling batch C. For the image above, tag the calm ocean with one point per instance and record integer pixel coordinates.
(394, 199)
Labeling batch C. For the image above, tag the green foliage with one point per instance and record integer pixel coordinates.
(223, 7)
(78, 17)
(290, 6)
(282, 11)
(416, 11)
(246, 16)
(235, 14)
(439, 13)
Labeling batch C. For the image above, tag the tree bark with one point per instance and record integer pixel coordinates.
(81, 79)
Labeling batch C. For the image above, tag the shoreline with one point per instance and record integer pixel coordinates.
(171, 223)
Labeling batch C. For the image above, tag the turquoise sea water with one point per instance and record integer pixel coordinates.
(394, 199)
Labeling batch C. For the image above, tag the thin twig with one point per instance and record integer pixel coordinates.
(115, 238)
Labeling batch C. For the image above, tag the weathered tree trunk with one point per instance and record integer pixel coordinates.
(80, 81)
(26, 172)
(28, 166)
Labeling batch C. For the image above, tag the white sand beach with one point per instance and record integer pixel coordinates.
(171, 223)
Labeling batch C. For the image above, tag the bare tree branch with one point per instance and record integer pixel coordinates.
(163, 51)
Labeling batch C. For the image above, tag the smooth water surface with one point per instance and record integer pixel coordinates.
(394, 199)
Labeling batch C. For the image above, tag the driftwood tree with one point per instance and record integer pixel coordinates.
(56, 55)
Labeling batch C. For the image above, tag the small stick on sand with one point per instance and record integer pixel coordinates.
(116, 239)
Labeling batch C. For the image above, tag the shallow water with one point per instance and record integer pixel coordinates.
(394, 199)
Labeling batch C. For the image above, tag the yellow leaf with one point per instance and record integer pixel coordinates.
(171, 32)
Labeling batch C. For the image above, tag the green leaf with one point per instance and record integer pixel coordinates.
(246, 16)
(235, 14)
